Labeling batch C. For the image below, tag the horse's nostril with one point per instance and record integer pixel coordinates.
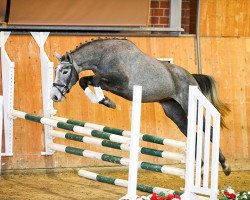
(55, 98)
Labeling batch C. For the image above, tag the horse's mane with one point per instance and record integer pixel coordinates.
(88, 42)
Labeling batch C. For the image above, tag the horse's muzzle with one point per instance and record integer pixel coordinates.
(56, 95)
(55, 98)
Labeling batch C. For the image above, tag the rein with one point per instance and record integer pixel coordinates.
(66, 86)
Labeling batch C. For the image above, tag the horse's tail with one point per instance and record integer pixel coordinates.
(208, 88)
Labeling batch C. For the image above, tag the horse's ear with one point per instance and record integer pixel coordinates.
(69, 58)
(58, 56)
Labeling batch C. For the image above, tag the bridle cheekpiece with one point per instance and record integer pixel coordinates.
(66, 86)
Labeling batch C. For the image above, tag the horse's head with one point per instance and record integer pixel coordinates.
(66, 77)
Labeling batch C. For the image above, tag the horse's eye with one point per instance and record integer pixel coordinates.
(65, 72)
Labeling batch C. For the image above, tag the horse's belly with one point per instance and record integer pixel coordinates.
(156, 86)
(155, 94)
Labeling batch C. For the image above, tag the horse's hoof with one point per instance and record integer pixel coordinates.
(108, 103)
(227, 170)
(111, 104)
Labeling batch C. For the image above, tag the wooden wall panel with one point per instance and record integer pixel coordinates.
(225, 18)
(227, 59)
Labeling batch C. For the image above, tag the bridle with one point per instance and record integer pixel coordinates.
(66, 86)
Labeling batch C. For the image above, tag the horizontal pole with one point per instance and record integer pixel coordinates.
(116, 145)
(124, 183)
(70, 127)
(202, 190)
(86, 28)
(6, 154)
(117, 159)
(116, 131)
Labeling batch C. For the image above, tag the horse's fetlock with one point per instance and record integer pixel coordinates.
(102, 101)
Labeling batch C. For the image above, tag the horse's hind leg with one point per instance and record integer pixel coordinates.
(226, 167)
(177, 114)
(98, 96)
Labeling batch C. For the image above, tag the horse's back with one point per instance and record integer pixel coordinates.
(129, 66)
(153, 76)
(137, 68)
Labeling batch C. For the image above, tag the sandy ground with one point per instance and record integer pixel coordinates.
(67, 185)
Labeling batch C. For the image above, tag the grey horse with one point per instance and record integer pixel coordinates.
(118, 65)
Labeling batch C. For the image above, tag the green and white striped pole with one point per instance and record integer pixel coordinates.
(124, 183)
(117, 159)
(70, 127)
(143, 137)
(116, 145)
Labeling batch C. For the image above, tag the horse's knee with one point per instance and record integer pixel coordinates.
(83, 83)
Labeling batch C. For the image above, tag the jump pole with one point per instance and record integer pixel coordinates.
(117, 159)
(124, 183)
(143, 136)
(117, 145)
(70, 127)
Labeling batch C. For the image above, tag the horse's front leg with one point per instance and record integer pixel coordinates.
(102, 99)
(98, 96)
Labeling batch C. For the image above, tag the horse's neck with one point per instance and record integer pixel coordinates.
(87, 57)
